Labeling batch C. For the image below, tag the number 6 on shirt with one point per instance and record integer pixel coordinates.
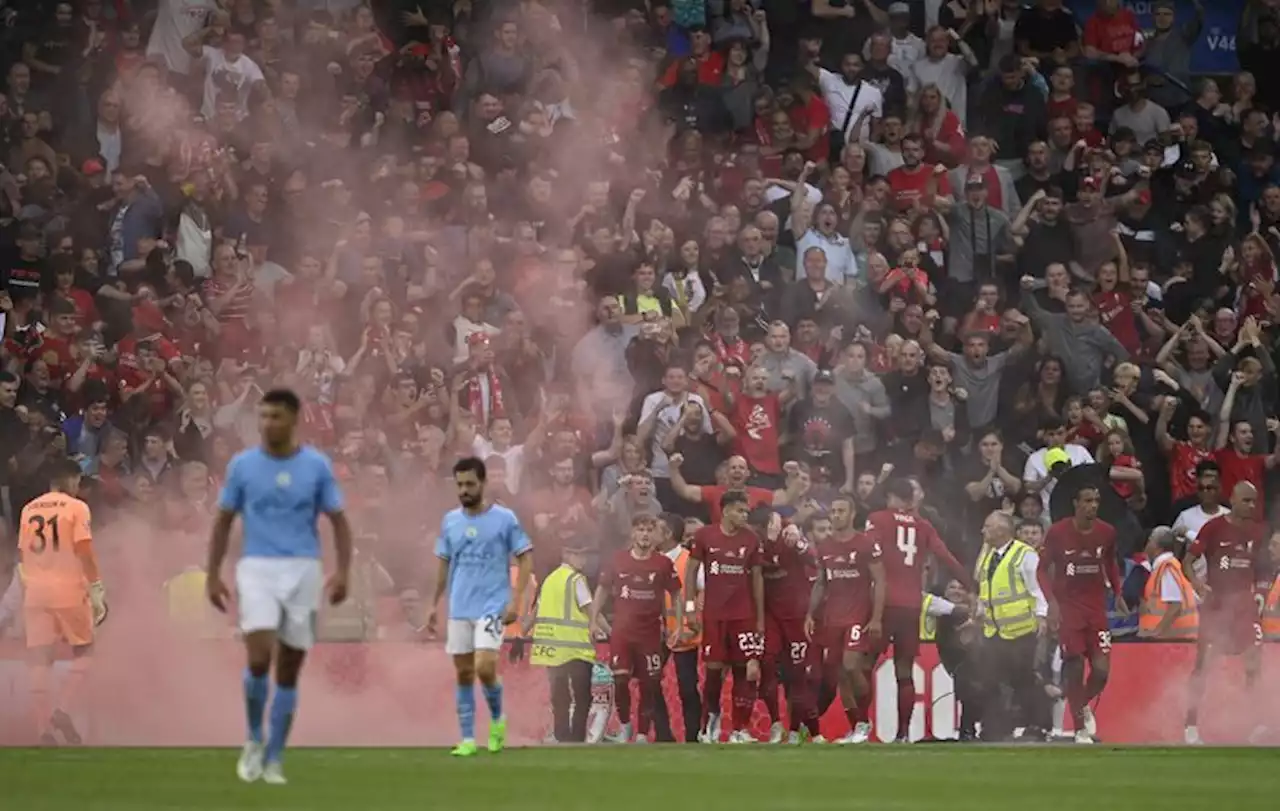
(907, 544)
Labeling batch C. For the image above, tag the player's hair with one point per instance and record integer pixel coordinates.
(63, 471)
(845, 497)
(283, 397)
(675, 524)
(732, 497)
(1089, 486)
(470, 464)
(900, 489)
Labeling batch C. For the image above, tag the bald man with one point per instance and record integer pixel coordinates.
(1229, 620)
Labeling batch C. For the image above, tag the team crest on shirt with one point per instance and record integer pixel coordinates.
(470, 532)
(283, 479)
(1099, 551)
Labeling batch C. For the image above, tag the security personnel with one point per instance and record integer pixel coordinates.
(562, 643)
(1271, 606)
(1014, 617)
(1169, 609)
(685, 652)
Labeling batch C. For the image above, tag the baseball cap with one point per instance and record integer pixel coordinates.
(899, 8)
(92, 166)
(1056, 456)
(824, 376)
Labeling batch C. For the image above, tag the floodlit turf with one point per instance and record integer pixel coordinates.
(652, 778)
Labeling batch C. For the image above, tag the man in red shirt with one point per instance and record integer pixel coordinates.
(849, 596)
(1077, 567)
(709, 63)
(736, 474)
(1112, 35)
(1235, 454)
(788, 577)
(755, 415)
(732, 613)
(1229, 618)
(1183, 456)
(906, 541)
(909, 182)
(636, 583)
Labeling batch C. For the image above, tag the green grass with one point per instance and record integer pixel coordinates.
(652, 778)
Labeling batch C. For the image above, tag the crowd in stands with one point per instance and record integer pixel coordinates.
(636, 256)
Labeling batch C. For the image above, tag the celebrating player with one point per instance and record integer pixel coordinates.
(1229, 619)
(906, 541)
(788, 577)
(279, 490)
(636, 583)
(1077, 564)
(850, 593)
(476, 544)
(63, 596)
(733, 613)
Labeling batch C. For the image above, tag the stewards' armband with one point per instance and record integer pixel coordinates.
(690, 605)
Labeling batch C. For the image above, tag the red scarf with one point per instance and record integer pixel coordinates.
(736, 350)
(475, 397)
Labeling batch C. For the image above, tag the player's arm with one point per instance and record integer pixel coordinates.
(219, 540)
(816, 596)
(342, 546)
(1112, 568)
(879, 594)
(942, 553)
(89, 562)
(757, 595)
(519, 546)
(1195, 551)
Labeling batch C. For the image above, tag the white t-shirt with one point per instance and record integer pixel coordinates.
(241, 73)
(838, 95)
(1036, 470)
(1170, 591)
(175, 21)
(1192, 520)
(513, 457)
(667, 417)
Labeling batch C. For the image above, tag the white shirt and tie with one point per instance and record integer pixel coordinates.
(839, 95)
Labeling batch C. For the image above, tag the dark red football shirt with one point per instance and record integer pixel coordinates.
(727, 561)
(845, 564)
(1230, 551)
(1082, 563)
(637, 589)
(788, 578)
(906, 541)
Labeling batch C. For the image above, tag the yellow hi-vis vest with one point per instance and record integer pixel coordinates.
(561, 632)
(1009, 610)
(928, 624)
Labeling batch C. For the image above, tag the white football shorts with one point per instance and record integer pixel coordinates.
(469, 636)
(281, 595)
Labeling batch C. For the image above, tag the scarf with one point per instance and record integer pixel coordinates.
(475, 396)
(735, 349)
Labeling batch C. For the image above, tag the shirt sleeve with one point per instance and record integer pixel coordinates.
(442, 540)
(1170, 591)
(517, 539)
(940, 607)
(330, 493)
(581, 592)
(1027, 568)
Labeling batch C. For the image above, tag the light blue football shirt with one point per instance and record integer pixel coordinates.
(478, 550)
(279, 500)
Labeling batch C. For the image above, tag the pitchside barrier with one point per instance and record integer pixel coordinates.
(149, 691)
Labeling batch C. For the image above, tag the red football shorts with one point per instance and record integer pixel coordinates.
(785, 641)
(639, 657)
(731, 642)
(902, 629)
(1231, 629)
(1089, 637)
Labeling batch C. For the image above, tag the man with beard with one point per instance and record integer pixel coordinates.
(636, 582)
(910, 181)
(756, 417)
(849, 99)
(847, 601)
(821, 433)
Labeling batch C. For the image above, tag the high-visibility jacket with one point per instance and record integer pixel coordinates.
(512, 631)
(1153, 608)
(561, 631)
(1009, 609)
(694, 641)
(928, 624)
(1271, 613)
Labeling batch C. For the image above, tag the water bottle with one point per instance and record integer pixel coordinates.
(601, 702)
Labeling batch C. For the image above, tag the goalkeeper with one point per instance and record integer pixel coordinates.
(63, 597)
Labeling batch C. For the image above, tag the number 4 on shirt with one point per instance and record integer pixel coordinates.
(907, 545)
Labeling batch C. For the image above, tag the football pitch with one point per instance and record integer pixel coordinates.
(651, 778)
